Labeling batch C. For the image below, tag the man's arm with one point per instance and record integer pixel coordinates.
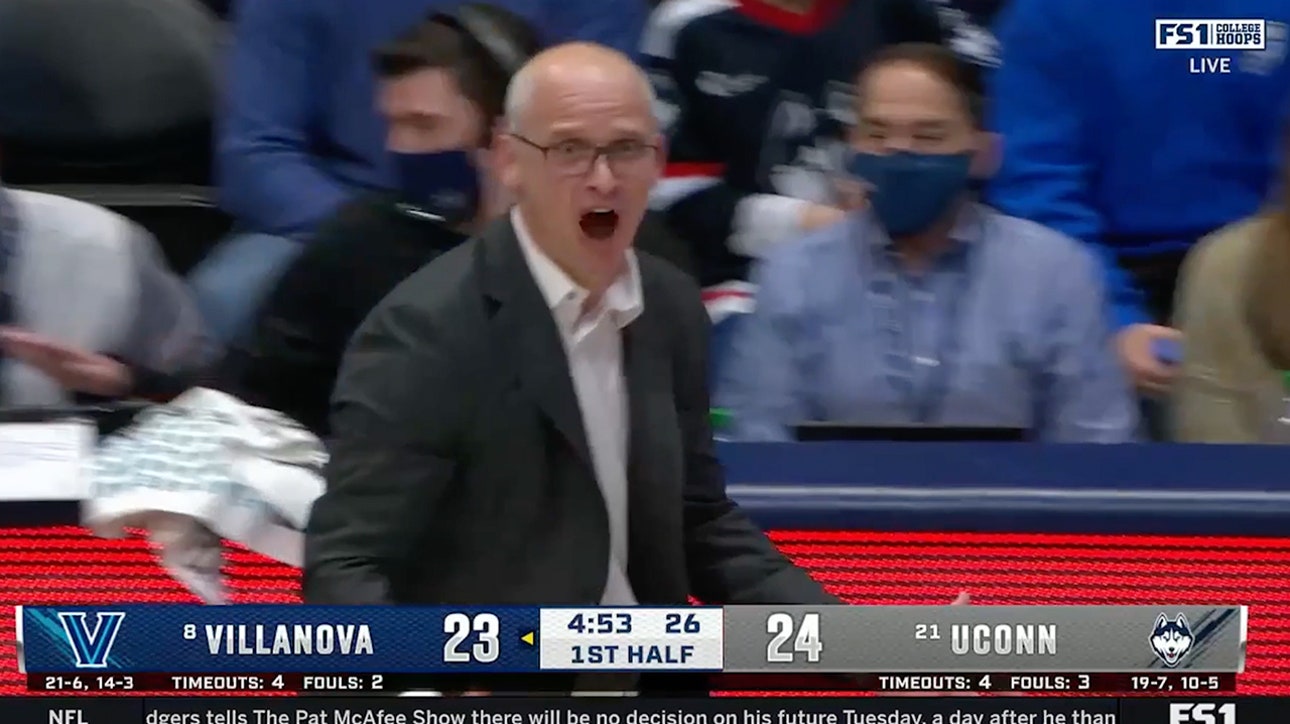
(1087, 397)
(164, 351)
(267, 179)
(759, 382)
(727, 558)
(393, 412)
(1039, 99)
(168, 341)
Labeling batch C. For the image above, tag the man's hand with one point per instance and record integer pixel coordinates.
(962, 600)
(74, 369)
(1134, 346)
(818, 216)
(853, 193)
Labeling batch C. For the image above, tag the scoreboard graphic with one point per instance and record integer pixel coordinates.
(905, 648)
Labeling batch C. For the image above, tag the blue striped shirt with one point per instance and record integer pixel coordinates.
(1007, 328)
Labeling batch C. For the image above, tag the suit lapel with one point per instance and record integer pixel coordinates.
(544, 375)
(527, 336)
(653, 482)
(638, 368)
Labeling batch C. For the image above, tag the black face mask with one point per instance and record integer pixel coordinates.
(912, 191)
(442, 183)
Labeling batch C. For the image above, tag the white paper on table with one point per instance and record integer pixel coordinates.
(46, 460)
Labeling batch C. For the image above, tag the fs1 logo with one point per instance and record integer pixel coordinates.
(1174, 34)
(1202, 713)
(91, 647)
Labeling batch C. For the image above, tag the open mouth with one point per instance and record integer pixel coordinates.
(599, 223)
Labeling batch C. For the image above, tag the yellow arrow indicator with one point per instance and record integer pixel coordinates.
(528, 638)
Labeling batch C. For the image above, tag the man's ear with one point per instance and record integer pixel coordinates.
(661, 157)
(503, 160)
(988, 155)
(485, 153)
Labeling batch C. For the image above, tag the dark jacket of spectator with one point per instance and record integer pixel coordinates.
(300, 135)
(292, 363)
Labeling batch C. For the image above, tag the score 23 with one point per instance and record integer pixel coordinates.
(460, 626)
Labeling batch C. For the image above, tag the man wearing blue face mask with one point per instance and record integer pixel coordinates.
(441, 89)
(925, 307)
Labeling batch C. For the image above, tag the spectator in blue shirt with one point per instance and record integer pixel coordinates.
(1118, 144)
(300, 136)
(927, 308)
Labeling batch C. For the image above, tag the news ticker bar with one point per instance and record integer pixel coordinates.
(734, 639)
(627, 710)
(1173, 682)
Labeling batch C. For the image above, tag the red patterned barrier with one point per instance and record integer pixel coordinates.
(69, 566)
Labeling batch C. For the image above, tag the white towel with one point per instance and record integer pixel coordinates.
(204, 467)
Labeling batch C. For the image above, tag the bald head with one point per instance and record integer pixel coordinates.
(580, 156)
(572, 65)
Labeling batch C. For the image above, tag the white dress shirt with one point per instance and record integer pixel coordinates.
(594, 345)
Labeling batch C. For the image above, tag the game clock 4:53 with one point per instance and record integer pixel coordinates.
(601, 623)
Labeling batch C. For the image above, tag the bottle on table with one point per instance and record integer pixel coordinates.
(720, 419)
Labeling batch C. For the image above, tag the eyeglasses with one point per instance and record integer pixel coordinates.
(577, 158)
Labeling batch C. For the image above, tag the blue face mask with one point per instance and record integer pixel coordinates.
(911, 191)
(444, 183)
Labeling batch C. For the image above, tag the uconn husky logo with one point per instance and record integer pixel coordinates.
(1171, 640)
(91, 646)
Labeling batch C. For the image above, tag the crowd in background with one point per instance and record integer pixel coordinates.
(903, 212)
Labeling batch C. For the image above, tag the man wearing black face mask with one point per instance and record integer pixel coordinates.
(925, 307)
(440, 92)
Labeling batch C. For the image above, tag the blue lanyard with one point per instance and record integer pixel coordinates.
(895, 327)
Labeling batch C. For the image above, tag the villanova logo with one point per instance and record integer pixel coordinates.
(91, 647)
(1171, 640)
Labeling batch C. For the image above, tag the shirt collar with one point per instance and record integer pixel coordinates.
(623, 300)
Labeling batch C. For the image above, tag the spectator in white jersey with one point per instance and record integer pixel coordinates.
(89, 308)
(755, 97)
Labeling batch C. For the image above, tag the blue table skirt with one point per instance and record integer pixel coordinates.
(1160, 489)
(1154, 489)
